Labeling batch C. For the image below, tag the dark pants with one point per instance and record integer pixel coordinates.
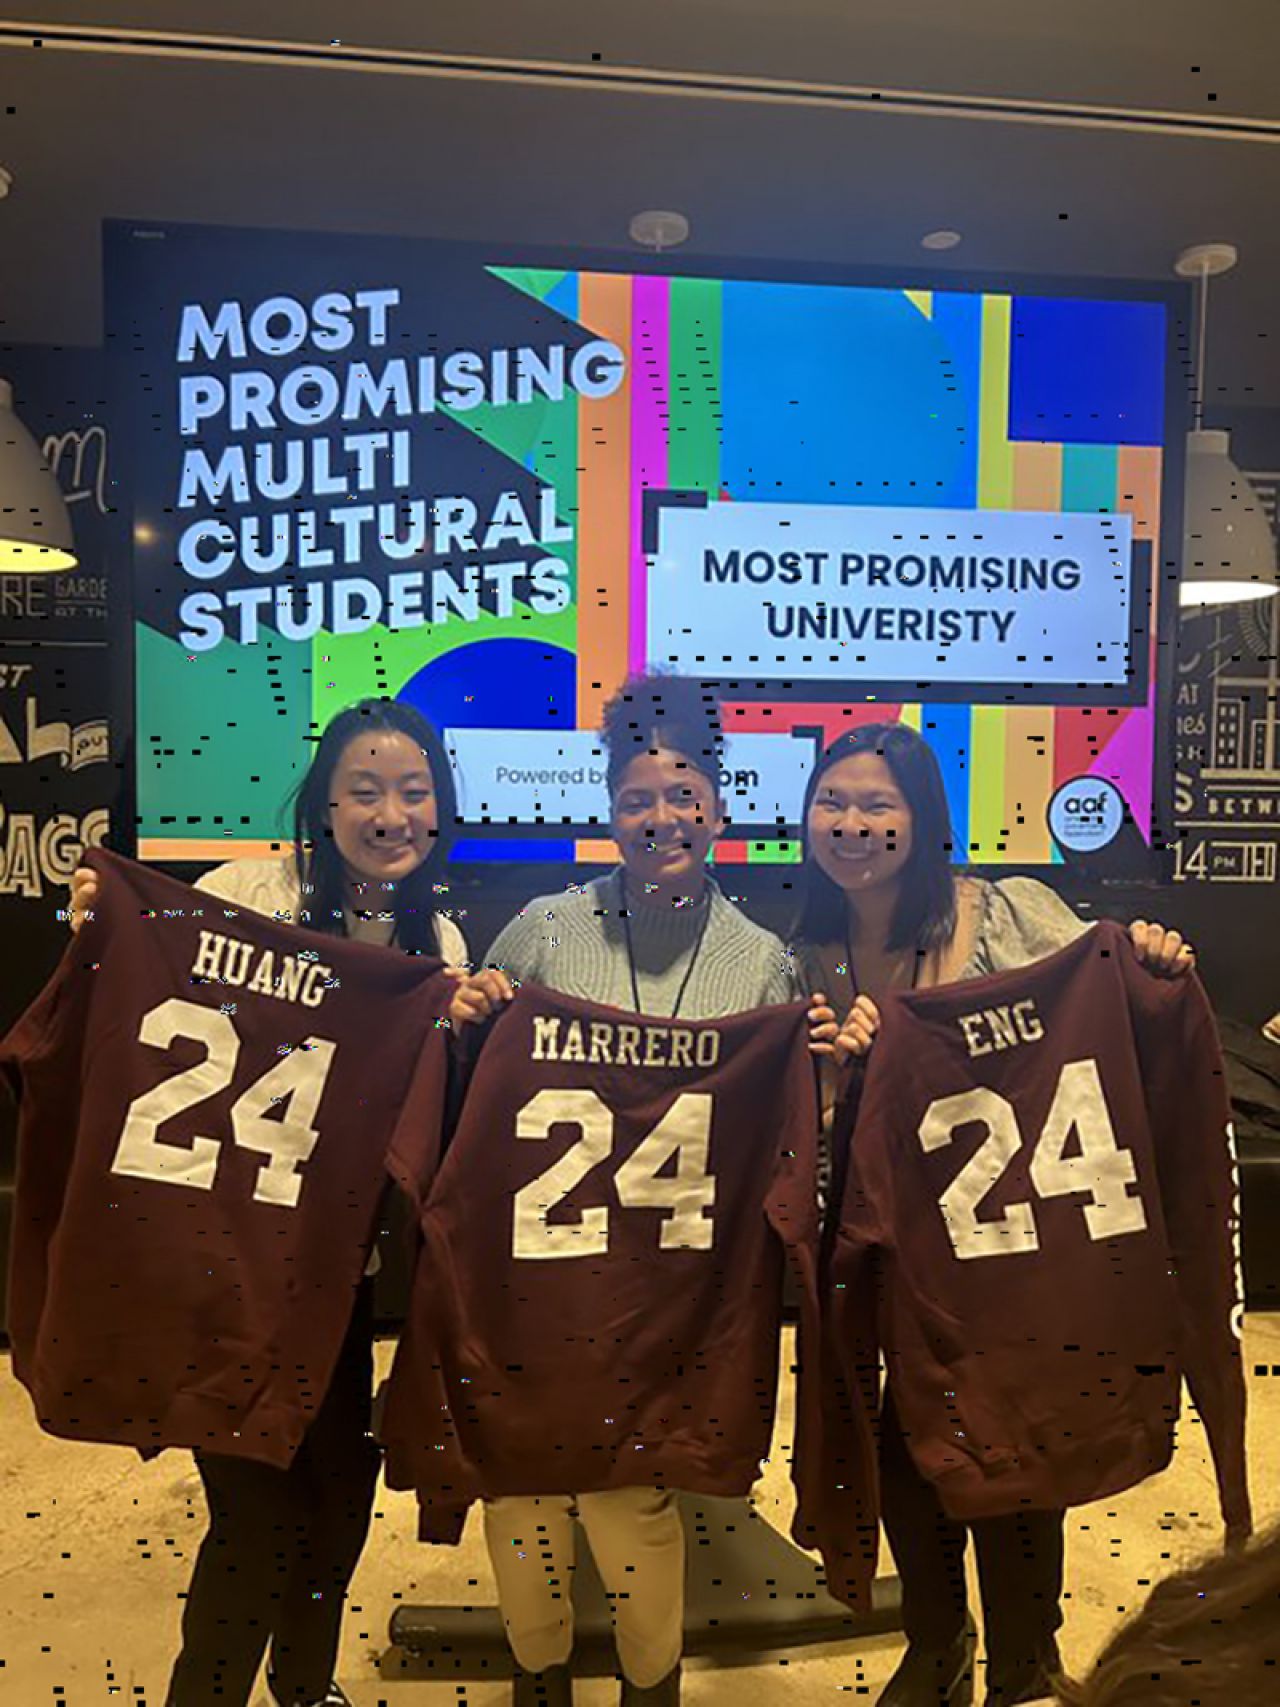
(1019, 1569)
(281, 1549)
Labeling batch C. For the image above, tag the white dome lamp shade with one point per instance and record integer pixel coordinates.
(1228, 548)
(35, 525)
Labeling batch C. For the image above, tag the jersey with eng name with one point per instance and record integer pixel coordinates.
(1039, 1232)
(206, 1102)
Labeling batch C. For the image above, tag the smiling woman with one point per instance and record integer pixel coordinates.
(655, 937)
(884, 910)
(372, 821)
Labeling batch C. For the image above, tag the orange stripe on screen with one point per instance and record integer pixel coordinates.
(1037, 476)
(604, 497)
(1028, 773)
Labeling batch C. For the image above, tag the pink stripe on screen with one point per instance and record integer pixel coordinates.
(650, 407)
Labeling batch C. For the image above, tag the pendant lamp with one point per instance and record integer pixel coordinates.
(35, 525)
(1228, 548)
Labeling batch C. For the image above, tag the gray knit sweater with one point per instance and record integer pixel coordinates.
(576, 943)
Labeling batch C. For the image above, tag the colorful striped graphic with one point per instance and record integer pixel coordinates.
(746, 392)
(1001, 763)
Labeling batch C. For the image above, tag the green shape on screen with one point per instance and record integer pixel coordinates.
(223, 736)
(774, 853)
(381, 660)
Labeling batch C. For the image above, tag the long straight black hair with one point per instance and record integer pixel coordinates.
(925, 914)
(319, 864)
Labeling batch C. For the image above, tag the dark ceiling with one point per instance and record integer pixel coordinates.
(91, 133)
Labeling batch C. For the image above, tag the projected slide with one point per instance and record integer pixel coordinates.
(382, 466)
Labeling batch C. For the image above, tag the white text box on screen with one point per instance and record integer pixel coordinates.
(558, 777)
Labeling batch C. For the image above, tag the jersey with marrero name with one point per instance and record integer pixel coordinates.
(207, 1099)
(1039, 1232)
(597, 1300)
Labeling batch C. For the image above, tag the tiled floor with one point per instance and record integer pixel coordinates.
(95, 1548)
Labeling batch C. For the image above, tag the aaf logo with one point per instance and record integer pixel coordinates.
(1086, 814)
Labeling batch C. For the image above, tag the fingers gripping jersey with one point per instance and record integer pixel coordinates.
(206, 1102)
(1039, 1232)
(597, 1301)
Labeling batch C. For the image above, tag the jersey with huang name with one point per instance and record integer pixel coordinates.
(597, 1302)
(207, 1098)
(1039, 1232)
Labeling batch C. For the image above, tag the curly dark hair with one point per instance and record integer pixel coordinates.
(1207, 1637)
(674, 712)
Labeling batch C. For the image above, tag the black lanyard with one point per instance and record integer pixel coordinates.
(853, 973)
(631, 953)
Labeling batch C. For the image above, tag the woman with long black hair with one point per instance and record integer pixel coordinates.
(882, 909)
(373, 818)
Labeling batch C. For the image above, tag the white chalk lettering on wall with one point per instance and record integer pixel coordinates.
(78, 462)
(36, 850)
(74, 747)
(1227, 737)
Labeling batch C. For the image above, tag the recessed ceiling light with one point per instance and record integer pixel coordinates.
(940, 240)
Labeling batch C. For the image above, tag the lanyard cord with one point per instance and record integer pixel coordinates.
(631, 953)
(920, 955)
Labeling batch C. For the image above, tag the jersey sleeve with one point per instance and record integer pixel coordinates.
(40, 1067)
(34, 1037)
(837, 1475)
(1191, 1127)
(418, 1139)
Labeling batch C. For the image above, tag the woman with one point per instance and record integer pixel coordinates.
(882, 910)
(372, 821)
(655, 936)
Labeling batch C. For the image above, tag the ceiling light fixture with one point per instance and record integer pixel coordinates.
(940, 240)
(659, 229)
(35, 524)
(1228, 548)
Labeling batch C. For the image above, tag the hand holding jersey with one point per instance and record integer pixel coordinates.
(483, 994)
(656, 938)
(882, 912)
(1070, 1118)
(207, 1098)
(371, 821)
(1165, 953)
(597, 1303)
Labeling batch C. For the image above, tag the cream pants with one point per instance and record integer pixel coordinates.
(637, 1541)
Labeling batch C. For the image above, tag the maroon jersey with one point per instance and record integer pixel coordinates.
(597, 1300)
(207, 1098)
(1039, 1232)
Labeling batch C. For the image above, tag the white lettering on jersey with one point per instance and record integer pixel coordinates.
(1100, 1168)
(604, 1043)
(230, 960)
(993, 1029)
(685, 1197)
(285, 1135)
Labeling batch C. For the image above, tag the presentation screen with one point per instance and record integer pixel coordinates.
(492, 489)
